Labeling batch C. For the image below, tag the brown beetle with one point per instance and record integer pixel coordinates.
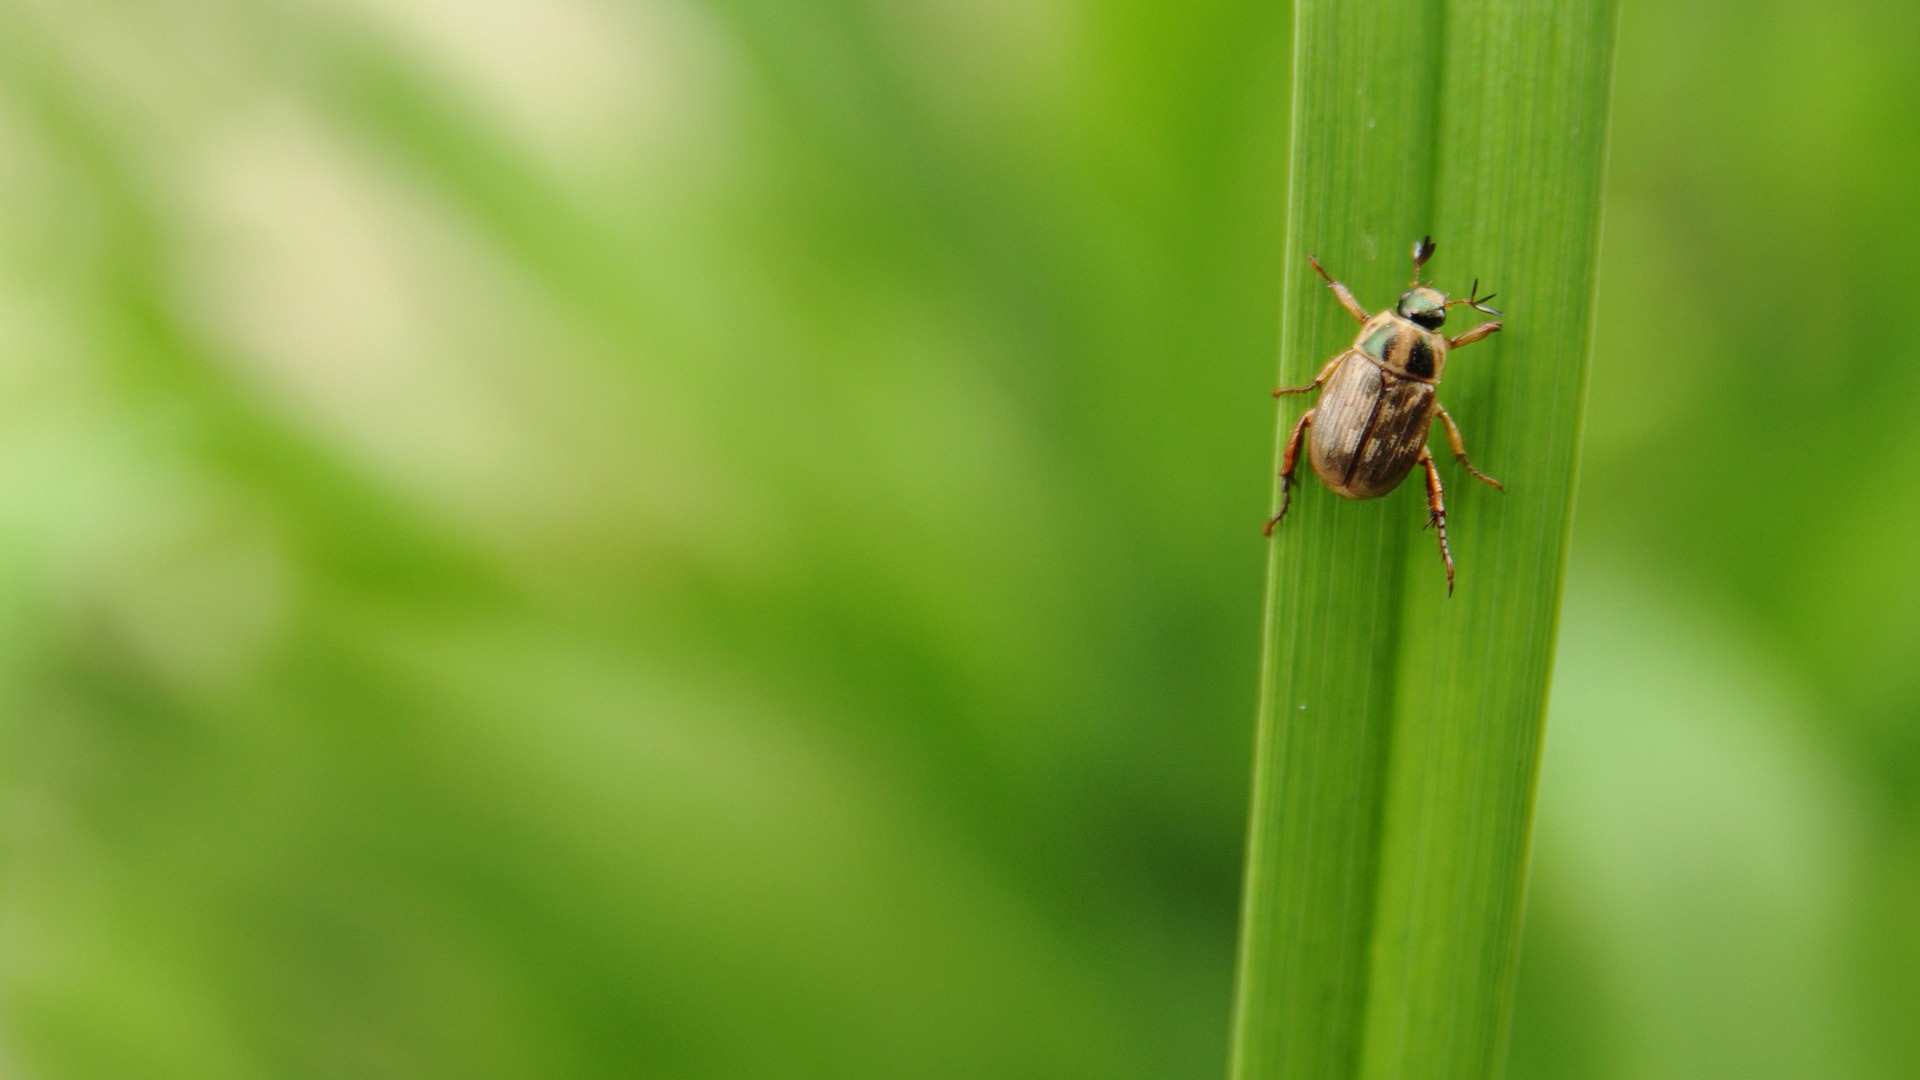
(1370, 427)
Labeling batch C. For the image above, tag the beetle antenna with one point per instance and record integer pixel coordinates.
(1422, 251)
(1475, 301)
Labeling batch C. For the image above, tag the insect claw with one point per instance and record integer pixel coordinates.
(1286, 501)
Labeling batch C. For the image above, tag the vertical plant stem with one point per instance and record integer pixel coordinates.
(1399, 729)
(1360, 189)
(1522, 147)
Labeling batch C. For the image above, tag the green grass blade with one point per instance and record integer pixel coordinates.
(1399, 730)
(1360, 189)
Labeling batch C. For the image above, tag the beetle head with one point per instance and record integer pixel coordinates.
(1423, 306)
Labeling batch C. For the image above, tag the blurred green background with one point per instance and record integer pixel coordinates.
(651, 538)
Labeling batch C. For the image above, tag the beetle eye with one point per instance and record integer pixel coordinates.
(1430, 319)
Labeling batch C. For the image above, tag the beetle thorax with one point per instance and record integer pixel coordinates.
(1402, 347)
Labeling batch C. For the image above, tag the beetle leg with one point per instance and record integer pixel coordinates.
(1474, 334)
(1460, 449)
(1340, 292)
(1437, 513)
(1325, 372)
(1287, 461)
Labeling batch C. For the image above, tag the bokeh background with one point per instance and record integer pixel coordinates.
(652, 538)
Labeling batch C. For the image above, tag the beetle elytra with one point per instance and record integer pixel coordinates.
(1370, 426)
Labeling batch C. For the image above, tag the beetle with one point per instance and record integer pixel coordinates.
(1380, 398)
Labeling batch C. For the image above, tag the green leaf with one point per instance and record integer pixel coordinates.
(1399, 728)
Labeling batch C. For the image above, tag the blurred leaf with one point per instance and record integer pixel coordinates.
(1703, 838)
